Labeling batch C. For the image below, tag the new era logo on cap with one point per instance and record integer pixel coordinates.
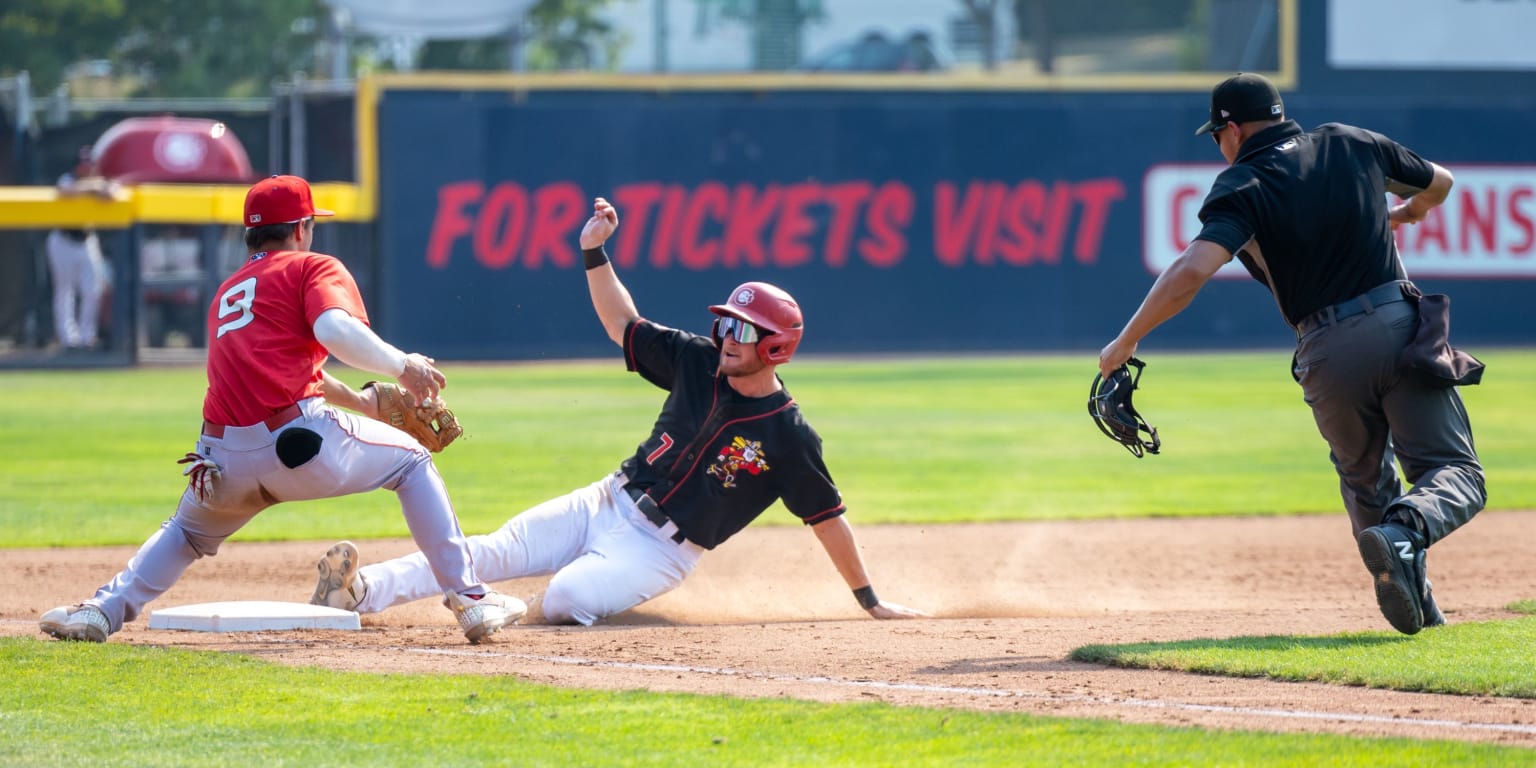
(280, 200)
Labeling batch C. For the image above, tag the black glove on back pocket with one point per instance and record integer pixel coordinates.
(296, 446)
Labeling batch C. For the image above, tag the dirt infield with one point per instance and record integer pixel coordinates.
(766, 615)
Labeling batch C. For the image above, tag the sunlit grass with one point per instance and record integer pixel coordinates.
(1471, 659)
(919, 440)
(69, 704)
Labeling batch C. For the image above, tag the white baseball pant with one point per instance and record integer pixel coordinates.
(356, 454)
(605, 555)
(78, 273)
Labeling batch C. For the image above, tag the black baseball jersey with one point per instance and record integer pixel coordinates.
(715, 458)
(1309, 210)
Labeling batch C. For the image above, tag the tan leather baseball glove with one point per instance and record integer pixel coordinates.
(433, 425)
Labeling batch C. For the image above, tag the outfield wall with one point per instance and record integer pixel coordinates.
(902, 220)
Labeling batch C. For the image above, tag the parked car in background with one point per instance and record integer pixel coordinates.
(875, 52)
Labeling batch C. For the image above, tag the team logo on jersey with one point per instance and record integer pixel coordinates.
(739, 456)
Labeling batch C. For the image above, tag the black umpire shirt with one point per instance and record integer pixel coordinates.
(715, 458)
(1308, 209)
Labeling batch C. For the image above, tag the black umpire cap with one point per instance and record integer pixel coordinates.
(1242, 98)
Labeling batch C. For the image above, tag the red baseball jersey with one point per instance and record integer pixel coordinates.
(262, 352)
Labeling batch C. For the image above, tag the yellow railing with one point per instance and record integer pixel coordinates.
(46, 208)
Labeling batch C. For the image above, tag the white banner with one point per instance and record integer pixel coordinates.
(1485, 229)
(1431, 34)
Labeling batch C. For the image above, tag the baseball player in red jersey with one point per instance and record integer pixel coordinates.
(729, 442)
(269, 436)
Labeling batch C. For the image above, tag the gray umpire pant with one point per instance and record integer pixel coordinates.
(1370, 412)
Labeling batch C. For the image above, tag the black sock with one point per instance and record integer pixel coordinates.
(1406, 517)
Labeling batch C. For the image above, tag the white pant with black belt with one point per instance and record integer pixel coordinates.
(605, 555)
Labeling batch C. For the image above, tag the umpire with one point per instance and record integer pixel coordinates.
(1306, 213)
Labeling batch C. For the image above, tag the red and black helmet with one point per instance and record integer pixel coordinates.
(775, 314)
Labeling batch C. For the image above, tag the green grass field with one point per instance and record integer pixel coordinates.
(1490, 658)
(92, 455)
(74, 704)
(92, 461)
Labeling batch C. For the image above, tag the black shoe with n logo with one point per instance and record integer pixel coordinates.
(1395, 557)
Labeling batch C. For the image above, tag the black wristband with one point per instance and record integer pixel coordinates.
(866, 597)
(594, 257)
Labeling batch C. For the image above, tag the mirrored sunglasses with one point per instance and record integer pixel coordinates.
(741, 330)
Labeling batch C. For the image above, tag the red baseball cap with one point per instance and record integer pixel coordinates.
(280, 200)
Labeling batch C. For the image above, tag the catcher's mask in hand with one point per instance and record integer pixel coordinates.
(1109, 403)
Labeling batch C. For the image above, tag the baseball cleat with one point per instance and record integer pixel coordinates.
(76, 622)
(481, 617)
(1395, 559)
(340, 586)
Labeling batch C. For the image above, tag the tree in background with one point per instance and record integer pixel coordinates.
(239, 48)
(1045, 27)
(775, 24)
(556, 35)
(46, 37)
(984, 14)
(562, 34)
(157, 48)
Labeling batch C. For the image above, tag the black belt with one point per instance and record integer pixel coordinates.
(652, 512)
(1386, 293)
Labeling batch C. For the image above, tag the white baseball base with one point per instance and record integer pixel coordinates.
(252, 616)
